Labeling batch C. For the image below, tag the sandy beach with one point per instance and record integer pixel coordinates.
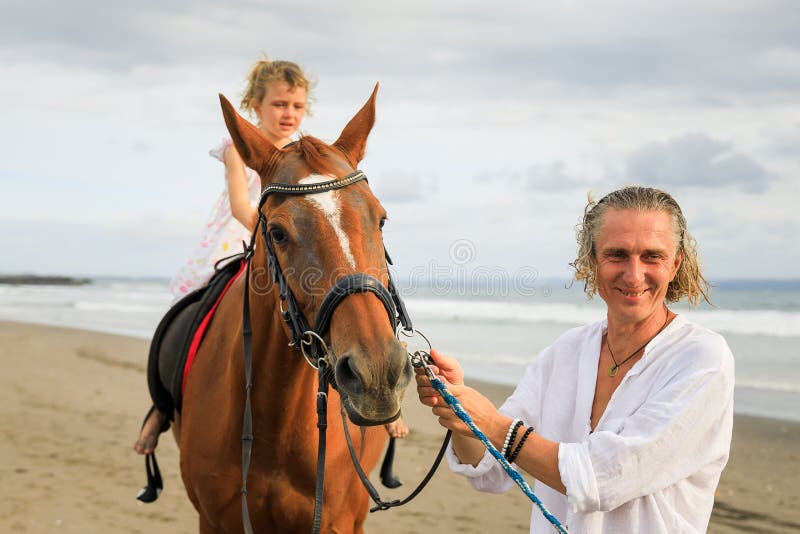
(71, 404)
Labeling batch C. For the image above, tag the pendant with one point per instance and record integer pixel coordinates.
(613, 371)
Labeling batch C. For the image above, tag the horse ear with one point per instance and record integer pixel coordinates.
(353, 140)
(253, 146)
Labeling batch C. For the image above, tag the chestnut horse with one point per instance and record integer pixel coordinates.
(317, 239)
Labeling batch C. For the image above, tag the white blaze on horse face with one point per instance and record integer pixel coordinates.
(331, 205)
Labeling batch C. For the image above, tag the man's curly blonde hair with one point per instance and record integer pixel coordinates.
(688, 282)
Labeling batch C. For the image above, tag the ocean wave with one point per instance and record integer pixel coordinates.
(749, 322)
(12, 305)
(120, 307)
(775, 323)
(498, 359)
(762, 384)
(483, 311)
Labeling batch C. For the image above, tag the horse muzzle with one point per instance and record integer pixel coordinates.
(372, 390)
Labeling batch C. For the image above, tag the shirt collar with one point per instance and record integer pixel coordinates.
(660, 340)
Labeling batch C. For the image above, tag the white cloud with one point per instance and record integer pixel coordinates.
(696, 160)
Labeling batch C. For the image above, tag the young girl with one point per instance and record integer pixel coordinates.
(277, 95)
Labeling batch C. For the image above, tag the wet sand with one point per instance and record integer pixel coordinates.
(71, 404)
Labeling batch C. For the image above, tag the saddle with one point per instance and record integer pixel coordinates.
(179, 334)
(172, 350)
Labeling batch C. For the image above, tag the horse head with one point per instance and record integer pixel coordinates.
(320, 238)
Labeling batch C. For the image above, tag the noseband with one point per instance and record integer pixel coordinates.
(310, 340)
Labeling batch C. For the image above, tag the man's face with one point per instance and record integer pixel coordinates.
(635, 254)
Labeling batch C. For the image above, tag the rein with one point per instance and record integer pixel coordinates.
(311, 343)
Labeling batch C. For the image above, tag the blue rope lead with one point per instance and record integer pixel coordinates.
(454, 403)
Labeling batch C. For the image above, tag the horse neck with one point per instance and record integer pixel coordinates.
(279, 369)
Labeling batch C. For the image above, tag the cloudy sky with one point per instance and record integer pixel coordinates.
(494, 121)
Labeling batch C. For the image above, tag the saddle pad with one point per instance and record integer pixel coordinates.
(201, 330)
(175, 335)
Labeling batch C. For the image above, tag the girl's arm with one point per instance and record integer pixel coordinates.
(235, 175)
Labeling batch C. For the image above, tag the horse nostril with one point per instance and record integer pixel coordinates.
(348, 377)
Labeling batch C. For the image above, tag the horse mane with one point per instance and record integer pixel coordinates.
(315, 153)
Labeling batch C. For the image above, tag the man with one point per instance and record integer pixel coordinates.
(630, 417)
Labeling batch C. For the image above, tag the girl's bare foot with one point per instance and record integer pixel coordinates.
(148, 438)
(397, 428)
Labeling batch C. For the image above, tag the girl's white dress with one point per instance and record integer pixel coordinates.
(222, 236)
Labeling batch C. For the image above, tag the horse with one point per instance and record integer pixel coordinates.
(317, 239)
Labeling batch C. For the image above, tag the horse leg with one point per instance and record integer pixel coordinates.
(359, 518)
(205, 526)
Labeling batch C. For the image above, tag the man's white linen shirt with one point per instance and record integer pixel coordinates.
(653, 461)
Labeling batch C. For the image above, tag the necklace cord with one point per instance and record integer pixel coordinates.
(615, 368)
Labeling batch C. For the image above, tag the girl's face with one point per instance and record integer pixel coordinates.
(281, 112)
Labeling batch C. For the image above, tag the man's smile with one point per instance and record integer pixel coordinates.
(631, 293)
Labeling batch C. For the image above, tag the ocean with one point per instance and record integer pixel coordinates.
(494, 332)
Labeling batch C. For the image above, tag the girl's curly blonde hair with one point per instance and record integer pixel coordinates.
(688, 282)
(265, 72)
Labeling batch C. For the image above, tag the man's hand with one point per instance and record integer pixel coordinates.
(481, 409)
(447, 369)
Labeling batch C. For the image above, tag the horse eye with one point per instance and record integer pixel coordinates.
(383, 221)
(278, 236)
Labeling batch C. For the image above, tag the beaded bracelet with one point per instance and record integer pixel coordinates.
(518, 448)
(512, 438)
(512, 430)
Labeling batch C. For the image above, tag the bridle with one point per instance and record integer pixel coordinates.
(348, 285)
(311, 342)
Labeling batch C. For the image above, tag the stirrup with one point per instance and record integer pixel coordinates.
(155, 484)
